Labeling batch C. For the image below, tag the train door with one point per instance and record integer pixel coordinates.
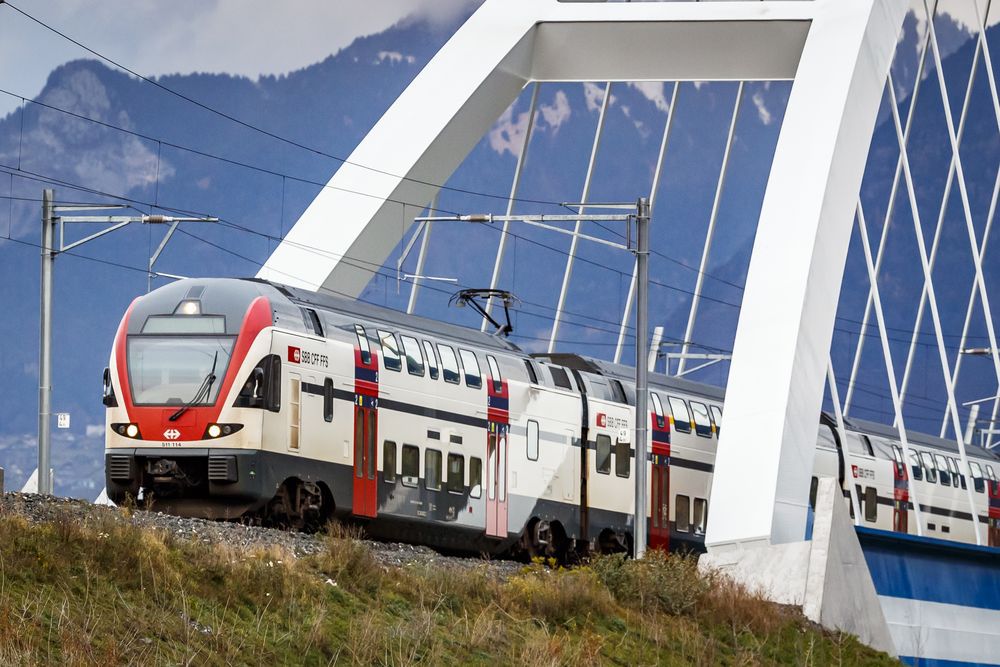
(659, 479)
(365, 437)
(659, 529)
(496, 480)
(900, 492)
(365, 433)
(993, 513)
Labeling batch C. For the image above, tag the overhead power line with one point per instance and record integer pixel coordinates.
(256, 128)
(376, 269)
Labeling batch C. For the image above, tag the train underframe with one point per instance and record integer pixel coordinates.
(277, 490)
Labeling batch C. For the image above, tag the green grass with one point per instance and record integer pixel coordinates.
(110, 593)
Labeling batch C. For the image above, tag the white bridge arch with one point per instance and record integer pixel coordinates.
(838, 54)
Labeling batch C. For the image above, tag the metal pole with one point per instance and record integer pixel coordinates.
(641, 388)
(45, 345)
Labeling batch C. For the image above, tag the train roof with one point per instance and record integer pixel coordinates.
(916, 438)
(627, 374)
(394, 318)
(391, 318)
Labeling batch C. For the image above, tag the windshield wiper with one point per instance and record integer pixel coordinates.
(203, 390)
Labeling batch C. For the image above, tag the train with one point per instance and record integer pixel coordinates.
(242, 399)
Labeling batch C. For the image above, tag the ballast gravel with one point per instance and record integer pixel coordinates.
(38, 509)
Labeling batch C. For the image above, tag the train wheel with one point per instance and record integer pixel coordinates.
(298, 506)
(546, 541)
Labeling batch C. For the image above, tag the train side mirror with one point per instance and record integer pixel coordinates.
(253, 390)
(108, 395)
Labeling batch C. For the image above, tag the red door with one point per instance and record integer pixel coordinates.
(659, 525)
(365, 437)
(496, 480)
(900, 494)
(659, 484)
(993, 513)
(365, 426)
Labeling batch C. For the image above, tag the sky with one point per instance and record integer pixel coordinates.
(248, 38)
(331, 102)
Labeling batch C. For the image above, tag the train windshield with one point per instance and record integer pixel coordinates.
(170, 370)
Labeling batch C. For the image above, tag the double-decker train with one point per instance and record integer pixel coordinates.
(233, 398)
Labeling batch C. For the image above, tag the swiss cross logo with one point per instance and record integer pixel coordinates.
(171, 434)
(854, 470)
(602, 420)
(294, 354)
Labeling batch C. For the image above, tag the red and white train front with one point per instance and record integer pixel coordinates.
(190, 378)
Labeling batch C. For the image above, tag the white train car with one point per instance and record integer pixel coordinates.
(245, 399)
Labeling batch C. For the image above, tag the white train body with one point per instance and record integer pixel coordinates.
(232, 398)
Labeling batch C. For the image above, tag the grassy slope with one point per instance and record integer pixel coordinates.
(109, 593)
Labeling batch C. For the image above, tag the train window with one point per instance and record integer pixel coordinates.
(559, 377)
(471, 365)
(918, 473)
(359, 443)
(411, 465)
(432, 364)
(328, 400)
(657, 409)
(272, 383)
(502, 467)
(532, 440)
(390, 350)
(531, 371)
(312, 321)
(930, 471)
(494, 373)
(977, 477)
(432, 469)
(897, 457)
(370, 443)
(868, 445)
(942, 465)
(871, 504)
(475, 477)
(953, 471)
(957, 478)
(449, 364)
(456, 473)
(679, 411)
(717, 416)
(363, 345)
(414, 357)
(813, 488)
(294, 411)
(603, 460)
(623, 459)
(618, 392)
(682, 513)
(700, 515)
(389, 461)
(989, 471)
(702, 421)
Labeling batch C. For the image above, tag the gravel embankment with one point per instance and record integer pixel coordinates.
(41, 509)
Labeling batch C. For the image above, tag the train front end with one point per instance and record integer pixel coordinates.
(189, 379)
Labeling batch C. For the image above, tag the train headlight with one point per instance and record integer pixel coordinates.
(126, 430)
(214, 431)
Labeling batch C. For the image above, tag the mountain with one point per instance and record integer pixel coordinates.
(329, 106)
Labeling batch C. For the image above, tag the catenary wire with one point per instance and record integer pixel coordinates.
(356, 263)
(256, 128)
